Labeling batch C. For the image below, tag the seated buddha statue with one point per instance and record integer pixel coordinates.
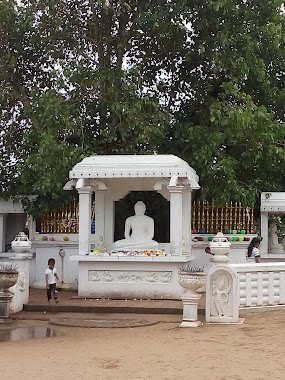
(139, 231)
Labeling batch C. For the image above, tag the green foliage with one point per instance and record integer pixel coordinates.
(231, 128)
(200, 79)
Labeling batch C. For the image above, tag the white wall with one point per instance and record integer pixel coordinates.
(67, 270)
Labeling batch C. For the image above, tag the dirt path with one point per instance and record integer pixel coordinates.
(254, 350)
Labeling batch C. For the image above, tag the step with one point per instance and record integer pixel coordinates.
(34, 307)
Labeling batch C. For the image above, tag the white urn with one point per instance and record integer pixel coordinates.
(21, 243)
(192, 281)
(220, 247)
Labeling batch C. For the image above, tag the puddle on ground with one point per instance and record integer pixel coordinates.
(24, 333)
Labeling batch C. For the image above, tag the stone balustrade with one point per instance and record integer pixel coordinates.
(260, 284)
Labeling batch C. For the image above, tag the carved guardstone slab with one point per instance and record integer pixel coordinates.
(146, 277)
(222, 296)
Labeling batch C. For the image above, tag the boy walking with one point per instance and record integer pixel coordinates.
(51, 277)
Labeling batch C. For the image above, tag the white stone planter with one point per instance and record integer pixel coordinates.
(191, 282)
(7, 280)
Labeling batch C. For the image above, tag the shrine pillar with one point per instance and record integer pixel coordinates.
(85, 195)
(176, 225)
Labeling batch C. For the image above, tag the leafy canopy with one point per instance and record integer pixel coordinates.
(200, 79)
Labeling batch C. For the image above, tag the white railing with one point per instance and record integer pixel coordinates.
(261, 284)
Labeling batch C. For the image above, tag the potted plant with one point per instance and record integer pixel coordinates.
(8, 276)
(191, 278)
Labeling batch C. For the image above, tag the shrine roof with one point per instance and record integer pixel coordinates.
(131, 166)
(273, 202)
(10, 207)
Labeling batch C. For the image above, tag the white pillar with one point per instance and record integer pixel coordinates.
(175, 219)
(32, 227)
(2, 232)
(84, 220)
(264, 232)
(186, 218)
(99, 214)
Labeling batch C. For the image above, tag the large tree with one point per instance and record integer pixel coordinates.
(201, 79)
(231, 127)
(81, 78)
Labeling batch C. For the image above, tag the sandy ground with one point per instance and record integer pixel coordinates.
(254, 350)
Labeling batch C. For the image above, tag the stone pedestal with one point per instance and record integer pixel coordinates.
(5, 302)
(21, 288)
(190, 310)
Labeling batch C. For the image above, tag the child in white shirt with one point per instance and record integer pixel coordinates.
(253, 255)
(51, 277)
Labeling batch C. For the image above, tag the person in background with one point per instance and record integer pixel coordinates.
(208, 250)
(51, 277)
(252, 252)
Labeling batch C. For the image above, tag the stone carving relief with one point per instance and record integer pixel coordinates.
(222, 295)
(221, 287)
(155, 277)
(21, 286)
(130, 277)
(166, 277)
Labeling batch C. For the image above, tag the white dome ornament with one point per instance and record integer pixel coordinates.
(220, 247)
(21, 244)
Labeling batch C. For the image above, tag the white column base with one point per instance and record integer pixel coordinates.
(190, 310)
(5, 301)
(190, 324)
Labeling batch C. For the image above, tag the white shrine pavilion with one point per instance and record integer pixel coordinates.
(112, 178)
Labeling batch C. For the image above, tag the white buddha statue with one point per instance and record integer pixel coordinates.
(139, 231)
